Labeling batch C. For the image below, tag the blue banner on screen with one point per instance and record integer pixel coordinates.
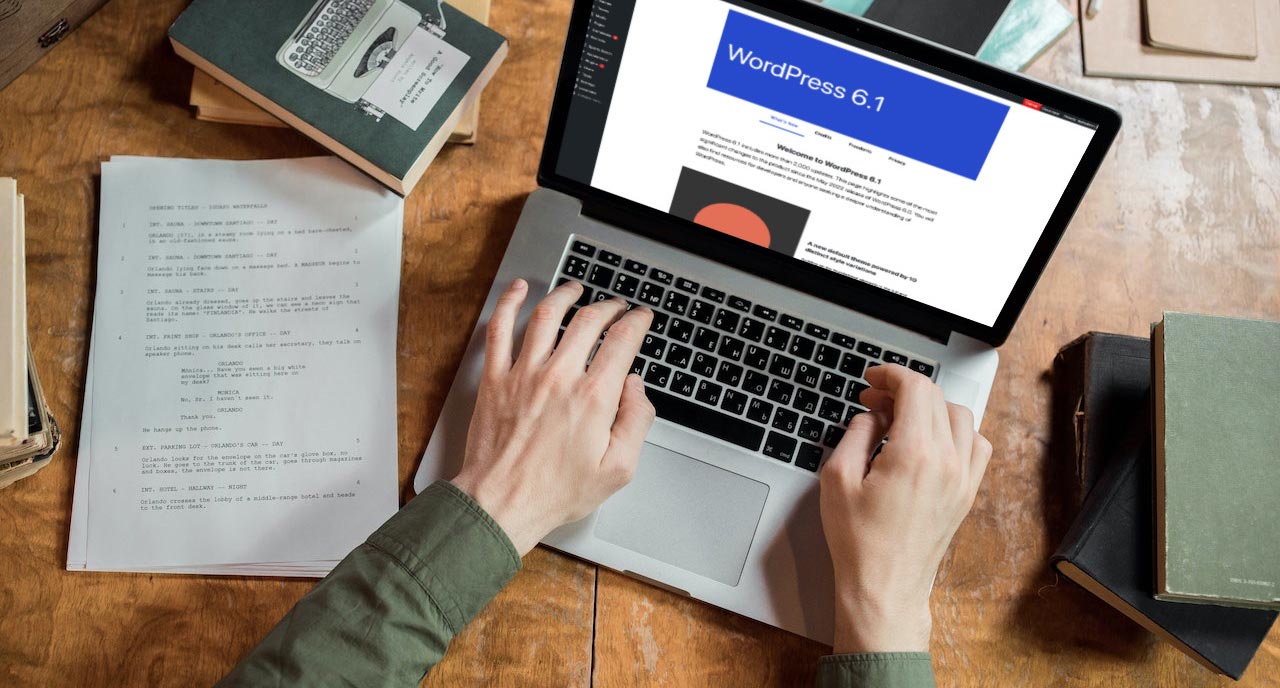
(857, 96)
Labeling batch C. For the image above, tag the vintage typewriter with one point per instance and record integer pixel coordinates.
(342, 45)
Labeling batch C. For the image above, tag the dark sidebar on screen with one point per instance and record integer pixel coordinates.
(597, 73)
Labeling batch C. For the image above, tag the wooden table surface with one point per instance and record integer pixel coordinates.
(1184, 215)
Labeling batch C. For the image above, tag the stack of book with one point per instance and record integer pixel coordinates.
(28, 434)
(1176, 453)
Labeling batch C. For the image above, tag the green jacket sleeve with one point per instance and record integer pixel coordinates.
(876, 670)
(385, 615)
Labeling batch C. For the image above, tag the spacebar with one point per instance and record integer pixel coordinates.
(705, 420)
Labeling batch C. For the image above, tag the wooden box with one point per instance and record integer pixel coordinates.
(28, 28)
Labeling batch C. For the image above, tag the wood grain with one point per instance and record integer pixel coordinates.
(1185, 214)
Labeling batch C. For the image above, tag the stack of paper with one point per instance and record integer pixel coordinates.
(240, 407)
(28, 435)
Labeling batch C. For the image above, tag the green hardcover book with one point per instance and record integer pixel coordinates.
(1217, 460)
(381, 83)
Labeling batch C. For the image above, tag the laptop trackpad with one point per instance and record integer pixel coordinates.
(686, 513)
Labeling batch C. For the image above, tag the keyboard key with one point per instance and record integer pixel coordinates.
(764, 312)
(650, 294)
(659, 324)
(816, 331)
(657, 375)
(853, 364)
(739, 304)
(610, 258)
(806, 401)
(731, 348)
(921, 367)
(706, 339)
(807, 375)
(575, 267)
(714, 295)
(601, 276)
(730, 373)
(843, 340)
(830, 410)
(676, 302)
(679, 356)
(851, 412)
(660, 276)
(777, 338)
(791, 322)
(781, 392)
(801, 347)
(808, 456)
(835, 433)
(735, 402)
(828, 356)
(832, 384)
(708, 393)
(869, 349)
(683, 384)
(626, 285)
(811, 429)
(782, 366)
(756, 357)
(703, 364)
(680, 330)
(780, 447)
(751, 329)
(601, 295)
(895, 357)
(726, 320)
(785, 420)
(686, 285)
(583, 247)
(708, 421)
(702, 311)
(755, 383)
(653, 346)
(637, 365)
(635, 266)
(854, 391)
(759, 411)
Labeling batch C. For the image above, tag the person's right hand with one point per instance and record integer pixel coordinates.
(889, 521)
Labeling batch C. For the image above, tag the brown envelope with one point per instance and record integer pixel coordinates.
(1224, 27)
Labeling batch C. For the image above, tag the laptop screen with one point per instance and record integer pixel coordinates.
(836, 153)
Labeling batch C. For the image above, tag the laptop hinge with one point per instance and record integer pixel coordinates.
(871, 303)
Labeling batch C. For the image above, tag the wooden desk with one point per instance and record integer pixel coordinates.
(1185, 214)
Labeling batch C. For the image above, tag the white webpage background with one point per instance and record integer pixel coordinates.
(966, 261)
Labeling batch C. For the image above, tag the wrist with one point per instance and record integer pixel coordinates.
(501, 505)
(879, 623)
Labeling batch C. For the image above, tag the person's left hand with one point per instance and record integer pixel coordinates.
(551, 438)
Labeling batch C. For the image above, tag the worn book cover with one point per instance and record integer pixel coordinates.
(381, 83)
(1217, 458)
(1107, 549)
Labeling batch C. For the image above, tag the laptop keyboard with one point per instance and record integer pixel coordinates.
(745, 373)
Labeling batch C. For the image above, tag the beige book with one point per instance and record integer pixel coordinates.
(1225, 27)
(13, 379)
(215, 102)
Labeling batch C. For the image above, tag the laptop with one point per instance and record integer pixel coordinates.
(799, 196)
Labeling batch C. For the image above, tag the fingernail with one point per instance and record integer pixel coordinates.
(519, 284)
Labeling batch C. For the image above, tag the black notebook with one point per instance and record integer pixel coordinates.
(960, 24)
(1108, 551)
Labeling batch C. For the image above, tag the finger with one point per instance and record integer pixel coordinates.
(865, 433)
(499, 332)
(961, 421)
(584, 331)
(621, 346)
(915, 399)
(544, 324)
(635, 417)
(877, 399)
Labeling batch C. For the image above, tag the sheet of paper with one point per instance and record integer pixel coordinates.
(241, 402)
(416, 77)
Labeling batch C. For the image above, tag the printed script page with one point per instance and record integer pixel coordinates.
(242, 382)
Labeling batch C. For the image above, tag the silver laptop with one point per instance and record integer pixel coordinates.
(799, 196)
